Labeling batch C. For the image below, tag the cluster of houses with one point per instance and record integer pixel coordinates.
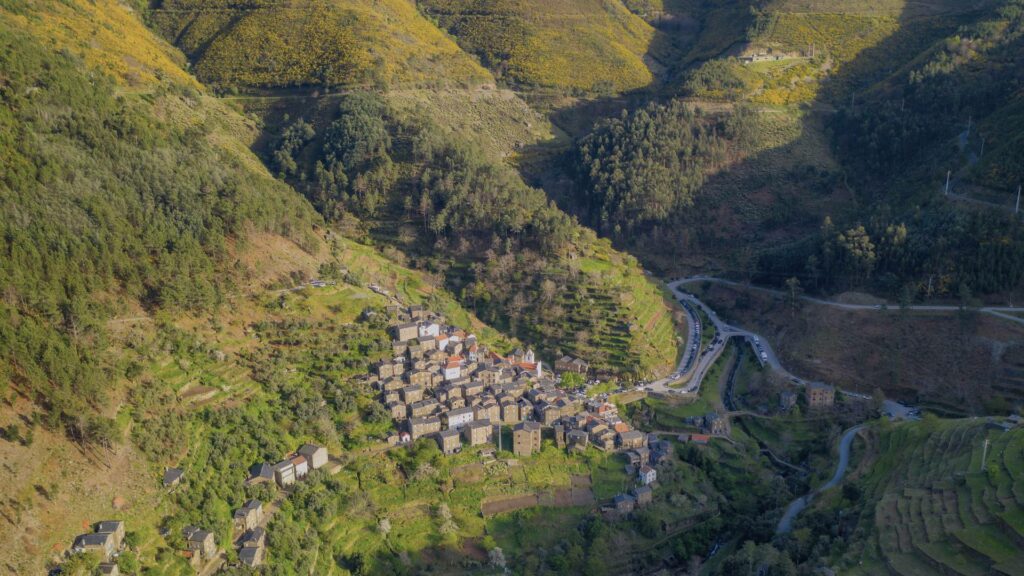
(293, 468)
(250, 536)
(106, 541)
(442, 383)
(643, 462)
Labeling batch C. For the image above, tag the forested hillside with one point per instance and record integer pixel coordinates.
(109, 197)
(858, 112)
(511, 256)
(900, 141)
(647, 166)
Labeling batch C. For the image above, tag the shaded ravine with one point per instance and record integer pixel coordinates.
(797, 506)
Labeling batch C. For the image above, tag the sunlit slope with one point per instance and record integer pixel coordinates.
(270, 43)
(805, 50)
(573, 44)
(944, 498)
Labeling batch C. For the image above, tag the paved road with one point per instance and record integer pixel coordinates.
(1004, 312)
(759, 344)
(798, 505)
(710, 355)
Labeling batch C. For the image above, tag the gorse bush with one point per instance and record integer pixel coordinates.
(527, 42)
(268, 44)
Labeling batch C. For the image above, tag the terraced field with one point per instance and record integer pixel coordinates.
(948, 501)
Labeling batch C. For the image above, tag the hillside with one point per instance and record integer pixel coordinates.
(445, 201)
(588, 45)
(858, 112)
(326, 43)
(147, 255)
(937, 496)
(150, 191)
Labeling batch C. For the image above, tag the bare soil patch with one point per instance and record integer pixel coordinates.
(493, 506)
(469, 473)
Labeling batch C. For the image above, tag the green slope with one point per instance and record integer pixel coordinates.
(270, 43)
(933, 505)
(110, 198)
(579, 44)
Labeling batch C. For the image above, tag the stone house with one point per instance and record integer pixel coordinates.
(526, 438)
(632, 439)
(406, 332)
(577, 440)
(248, 516)
(200, 542)
(419, 427)
(510, 412)
(448, 441)
(478, 432)
(100, 543)
(643, 494)
(113, 527)
(624, 503)
(412, 394)
(398, 410)
(172, 476)
(423, 408)
(714, 424)
(820, 395)
(284, 473)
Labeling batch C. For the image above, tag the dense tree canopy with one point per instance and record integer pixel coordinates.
(99, 196)
(646, 165)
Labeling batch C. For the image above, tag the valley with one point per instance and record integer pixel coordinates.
(701, 287)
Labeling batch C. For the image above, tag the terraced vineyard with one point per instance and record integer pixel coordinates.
(948, 501)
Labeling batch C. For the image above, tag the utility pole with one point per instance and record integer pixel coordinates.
(948, 174)
(984, 455)
(969, 118)
(982, 154)
(1017, 209)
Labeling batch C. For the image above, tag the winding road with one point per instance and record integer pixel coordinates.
(707, 358)
(691, 373)
(1004, 312)
(798, 505)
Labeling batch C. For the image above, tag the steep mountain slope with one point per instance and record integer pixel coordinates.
(111, 198)
(935, 497)
(412, 168)
(452, 207)
(894, 87)
(271, 43)
(142, 241)
(589, 45)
